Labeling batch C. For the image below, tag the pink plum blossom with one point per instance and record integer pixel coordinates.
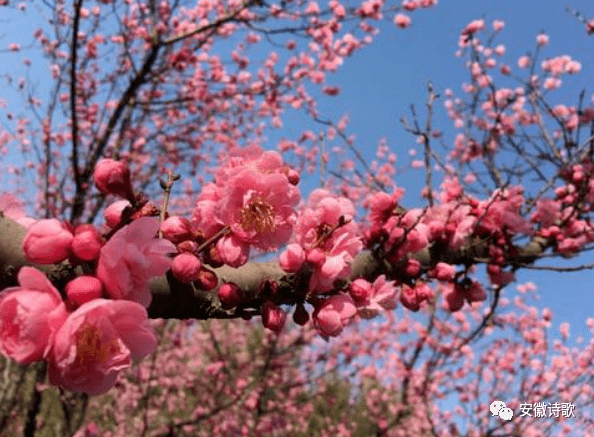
(30, 314)
(330, 238)
(131, 257)
(96, 342)
(382, 296)
(260, 208)
(47, 242)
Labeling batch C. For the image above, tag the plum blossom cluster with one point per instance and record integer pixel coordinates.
(563, 220)
(449, 226)
(92, 331)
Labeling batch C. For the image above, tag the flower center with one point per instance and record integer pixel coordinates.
(258, 216)
(90, 349)
(323, 232)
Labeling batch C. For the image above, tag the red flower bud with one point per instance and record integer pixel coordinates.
(273, 317)
(113, 177)
(230, 295)
(207, 280)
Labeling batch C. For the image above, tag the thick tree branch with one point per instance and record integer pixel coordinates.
(172, 299)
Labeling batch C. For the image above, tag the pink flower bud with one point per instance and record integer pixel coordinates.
(176, 229)
(233, 251)
(410, 298)
(412, 268)
(113, 177)
(360, 290)
(47, 242)
(273, 317)
(402, 20)
(84, 289)
(186, 267)
(187, 246)
(293, 176)
(87, 243)
(230, 295)
(424, 291)
(292, 258)
(207, 280)
(113, 213)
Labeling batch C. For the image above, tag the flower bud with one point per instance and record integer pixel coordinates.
(176, 229)
(207, 280)
(47, 242)
(273, 317)
(186, 267)
(230, 295)
(113, 213)
(187, 246)
(293, 176)
(84, 289)
(444, 272)
(87, 243)
(412, 268)
(333, 314)
(410, 298)
(360, 290)
(113, 177)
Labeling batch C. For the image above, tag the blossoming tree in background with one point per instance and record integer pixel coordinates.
(155, 196)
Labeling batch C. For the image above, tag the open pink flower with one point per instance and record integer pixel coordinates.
(131, 257)
(259, 207)
(96, 342)
(326, 231)
(334, 314)
(381, 296)
(29, 315)
(47, 242)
